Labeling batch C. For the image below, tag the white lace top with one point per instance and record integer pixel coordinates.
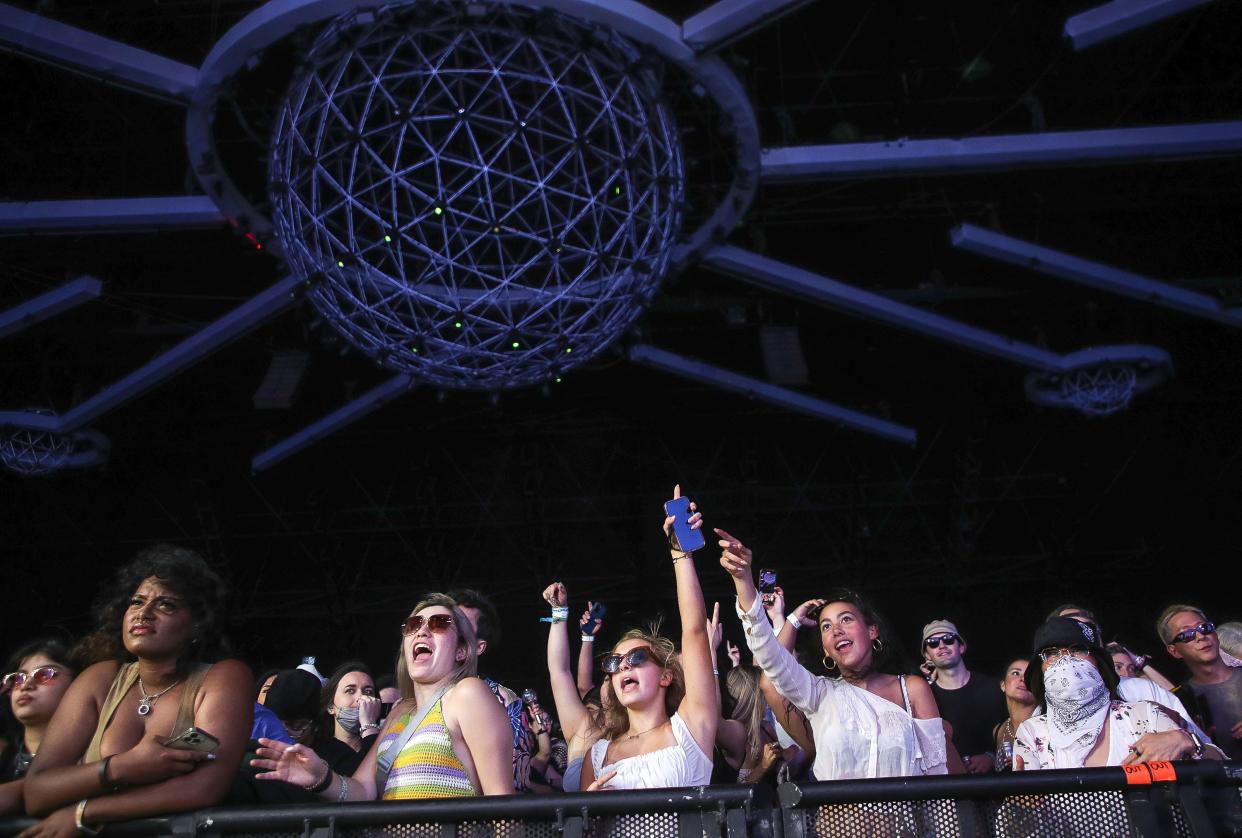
(1127, 722)
(683, 764)
(857, 734)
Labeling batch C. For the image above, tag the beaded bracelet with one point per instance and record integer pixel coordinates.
(344, 792)
(323, 784)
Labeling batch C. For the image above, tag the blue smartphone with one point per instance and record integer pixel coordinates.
(598, 610)
(689, 539)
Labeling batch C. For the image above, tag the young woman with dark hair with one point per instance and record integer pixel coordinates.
(159, 644)
(37, 676)
(867, 720)
(660, 709)
(349, 713)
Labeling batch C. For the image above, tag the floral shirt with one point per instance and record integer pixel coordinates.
(1127, 722)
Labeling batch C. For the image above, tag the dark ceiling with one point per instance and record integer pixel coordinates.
(1002, 509)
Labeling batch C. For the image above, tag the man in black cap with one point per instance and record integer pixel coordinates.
(972, 705)
(294, 698)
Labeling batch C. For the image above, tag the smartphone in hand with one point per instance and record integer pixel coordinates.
(767, 585)
(598, 610)
(688, 539)
(193, 739)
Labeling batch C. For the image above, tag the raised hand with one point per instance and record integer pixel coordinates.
(555, 595)
(369, 710)
(803, 611)
(695, 520)
(734, 653)
(586, 625)
(715, 631)
(736, 558)
(296, 764)
(774, 605)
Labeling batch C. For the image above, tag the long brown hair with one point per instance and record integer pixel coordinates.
(616, 720)
(748, 707)
(465, 640)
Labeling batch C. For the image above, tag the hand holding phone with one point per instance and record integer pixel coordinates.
(193, 739)
(685, 535)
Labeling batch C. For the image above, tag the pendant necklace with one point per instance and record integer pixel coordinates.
(648, 730)
(144, 703)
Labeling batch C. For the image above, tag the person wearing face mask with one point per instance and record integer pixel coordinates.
(349, 717)
(1084, 723)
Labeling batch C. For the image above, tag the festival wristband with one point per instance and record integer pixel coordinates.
(588, 638)
(793, 620)
(560, 614)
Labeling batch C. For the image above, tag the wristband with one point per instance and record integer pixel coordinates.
(79, 817)
(560, 614)
(588, 638)
(323, 784)
(715, 671)
(793, 620)
(109, 786)
(344, 791)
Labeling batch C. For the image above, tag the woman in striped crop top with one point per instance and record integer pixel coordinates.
(447, 737)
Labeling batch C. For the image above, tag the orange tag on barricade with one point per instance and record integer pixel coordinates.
(1137, 774)
(1163, 772)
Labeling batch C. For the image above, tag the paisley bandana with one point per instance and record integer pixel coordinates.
(1077, 701)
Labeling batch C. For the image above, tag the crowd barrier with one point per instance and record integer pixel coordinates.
(1193, 799)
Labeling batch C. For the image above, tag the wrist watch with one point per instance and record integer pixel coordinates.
(1197, 753)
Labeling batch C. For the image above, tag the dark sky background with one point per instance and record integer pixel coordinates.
(1002, 510)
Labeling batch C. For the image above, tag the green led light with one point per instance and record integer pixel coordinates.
(568, 349)
(457, 324)
(616, 190)
(387, 238)
(438, 211)
(339, 263)
(558, 380)
(515, 345)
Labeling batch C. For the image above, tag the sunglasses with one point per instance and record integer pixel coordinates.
(634, 657)
(436, 623)
(1185, 636)
(17, 680)
(1054, 653)
(946, 639)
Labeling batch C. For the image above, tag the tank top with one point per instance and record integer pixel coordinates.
(427, 766)
(122, 683)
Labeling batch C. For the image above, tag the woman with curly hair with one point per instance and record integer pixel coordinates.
(660, 709)
(447, 737)
(37, 676)
(867, 721)
(160, 671)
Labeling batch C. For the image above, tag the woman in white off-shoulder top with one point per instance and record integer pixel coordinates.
(866, 723)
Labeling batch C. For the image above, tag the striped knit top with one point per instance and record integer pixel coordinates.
(427, 766)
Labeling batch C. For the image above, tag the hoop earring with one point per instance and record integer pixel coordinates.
(877, 645)
(827, 661)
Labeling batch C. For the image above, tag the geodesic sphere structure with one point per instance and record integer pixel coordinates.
(482, 197)
(33, 452)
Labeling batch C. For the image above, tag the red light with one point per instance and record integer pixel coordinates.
(250, 237)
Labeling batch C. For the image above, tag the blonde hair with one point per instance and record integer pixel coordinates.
(465, 640)
(1162, 622)
(615, 718)
(749, 705)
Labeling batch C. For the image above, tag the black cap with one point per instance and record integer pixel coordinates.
(1066, 631)
(294, 695)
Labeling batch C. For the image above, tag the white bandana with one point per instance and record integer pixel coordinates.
(1078, 703)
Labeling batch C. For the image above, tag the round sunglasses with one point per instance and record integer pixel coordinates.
(17, 680)
(436, 624)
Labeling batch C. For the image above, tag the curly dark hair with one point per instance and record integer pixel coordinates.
(890, 657)
(188, 576)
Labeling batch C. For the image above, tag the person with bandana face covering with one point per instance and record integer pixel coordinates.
(1084, 723)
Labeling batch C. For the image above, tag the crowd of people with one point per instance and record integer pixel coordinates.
(150, 714)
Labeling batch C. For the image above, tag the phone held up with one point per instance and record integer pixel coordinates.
(767, 584)
(688, 540)
(598, 610)
(193, 739)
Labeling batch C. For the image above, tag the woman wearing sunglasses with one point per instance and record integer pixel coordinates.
(1084, 723)
(447, 737)
(866, 721)
(158, 641)
(37, 678)
(660, 708)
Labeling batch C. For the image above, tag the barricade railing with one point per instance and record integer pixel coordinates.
(1191, 799)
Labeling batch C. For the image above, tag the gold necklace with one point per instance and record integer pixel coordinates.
(630, 736)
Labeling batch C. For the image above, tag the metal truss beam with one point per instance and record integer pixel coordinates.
(1102, 277)
(365, 404)
(93, 55)
(100, 215)
(787, 279)
(1002, 153)
(231, 326)
(1121, 16)
(704, 373)
(728, 20)
(46, 306)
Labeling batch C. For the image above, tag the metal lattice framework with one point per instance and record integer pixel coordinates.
(482, 202)
(31, 452)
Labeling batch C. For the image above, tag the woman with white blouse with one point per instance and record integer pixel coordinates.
(866, 722)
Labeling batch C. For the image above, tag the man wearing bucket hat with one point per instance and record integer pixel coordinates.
(1084, 723)
(971, 705)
